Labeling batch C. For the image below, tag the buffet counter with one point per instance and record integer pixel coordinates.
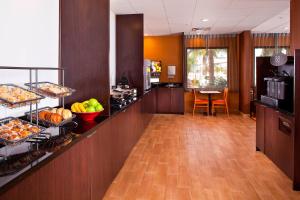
(77, 162)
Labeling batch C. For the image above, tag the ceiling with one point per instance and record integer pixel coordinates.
(224, 16)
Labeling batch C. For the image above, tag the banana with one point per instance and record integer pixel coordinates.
(81, 107)
(77, 108)
(73, 107)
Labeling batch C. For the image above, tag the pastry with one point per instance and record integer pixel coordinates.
(56, 118)
(24, 134)
(67, 114)
(15, 94)
(48, 116)
(54, 89)
(27, 126)
(59, 111)
(42, 114)
(54, 110)
(34, 129)
(17, 129)
(13, 137)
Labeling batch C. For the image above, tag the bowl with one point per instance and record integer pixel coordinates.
(88, 116)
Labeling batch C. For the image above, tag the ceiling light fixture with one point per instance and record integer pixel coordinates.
(204, 20)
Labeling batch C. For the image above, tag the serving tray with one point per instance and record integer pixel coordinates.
(5, 121)
(10, 104)
(37, 86)
(45, 122)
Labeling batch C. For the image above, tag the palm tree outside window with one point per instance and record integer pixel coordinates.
(207, 68)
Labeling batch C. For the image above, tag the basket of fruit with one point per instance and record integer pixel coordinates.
(87, 110)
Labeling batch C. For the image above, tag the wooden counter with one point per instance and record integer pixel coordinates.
(86, 169)
(275, 136)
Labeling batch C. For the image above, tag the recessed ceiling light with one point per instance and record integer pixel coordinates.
(204, 20)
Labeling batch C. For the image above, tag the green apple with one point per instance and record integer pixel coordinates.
(99, 108)
(93, 102)
(90, 109)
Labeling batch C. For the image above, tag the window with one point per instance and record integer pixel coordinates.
(268, 52)
(207, 70)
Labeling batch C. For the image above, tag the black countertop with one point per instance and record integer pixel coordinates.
(25, 158)
(285, 112)
(167, 85)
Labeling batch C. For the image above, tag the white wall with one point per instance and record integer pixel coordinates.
(29, 36)
(112, 49)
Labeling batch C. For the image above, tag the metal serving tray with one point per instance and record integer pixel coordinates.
(45, 122)
(10, 104)
(14, 142)
(50, 94)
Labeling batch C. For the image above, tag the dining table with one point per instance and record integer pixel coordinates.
(209, 93)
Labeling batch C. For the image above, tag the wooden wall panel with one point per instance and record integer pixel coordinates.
(169, 50)
(130, 49)
(297, 124)
(84, 48)
(246, 70)
(295, 25)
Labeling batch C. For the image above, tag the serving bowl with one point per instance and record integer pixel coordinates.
(88, 116)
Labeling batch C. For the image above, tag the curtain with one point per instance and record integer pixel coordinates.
(269, 40)
(229, 41)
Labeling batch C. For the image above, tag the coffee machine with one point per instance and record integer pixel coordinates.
(279, 91)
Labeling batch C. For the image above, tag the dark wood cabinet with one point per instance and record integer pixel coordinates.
(100, 160)
(163, 100)
(274, 137)
(177, 100)
(66, 177)
(170, 100)
(284, 144)
(270, 134)
(87, 169)
(260, 128)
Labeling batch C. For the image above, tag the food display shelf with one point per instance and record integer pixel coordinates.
(5, 121)
(5, 101)
(44, 88)
(45, 122)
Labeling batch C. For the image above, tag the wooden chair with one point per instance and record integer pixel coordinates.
(200, 103)
(221, 103)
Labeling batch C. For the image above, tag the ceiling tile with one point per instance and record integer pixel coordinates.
(225, 16)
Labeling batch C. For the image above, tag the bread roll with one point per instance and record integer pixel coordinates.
(56, 118)
(54, 110)
(67, 114)
(48, 116)
(42, 115)
(59, 111)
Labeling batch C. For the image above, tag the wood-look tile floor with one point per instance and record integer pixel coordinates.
(185, 157)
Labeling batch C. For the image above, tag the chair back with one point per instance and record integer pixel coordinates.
(195, 94)
(226, 94)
